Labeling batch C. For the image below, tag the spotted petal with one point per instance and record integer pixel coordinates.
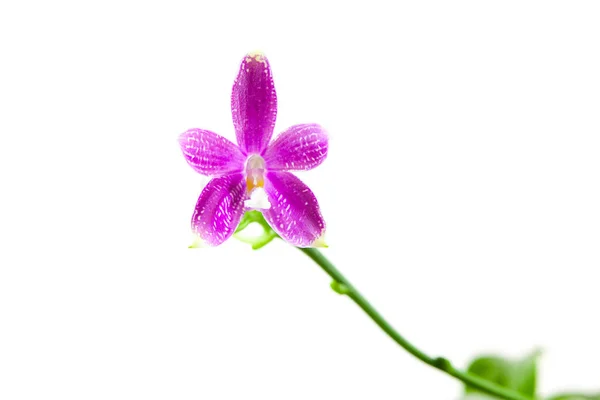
(254, 104)
(209, 153)
(300, 147)
(219, 208)
(294, 213)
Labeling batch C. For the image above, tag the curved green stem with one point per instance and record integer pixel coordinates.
(343, 286)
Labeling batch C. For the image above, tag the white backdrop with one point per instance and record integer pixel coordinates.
(461, 195)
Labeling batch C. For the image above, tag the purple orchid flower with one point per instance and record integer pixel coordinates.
(253, 175)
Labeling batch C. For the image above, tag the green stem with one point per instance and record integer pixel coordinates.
(437, 362)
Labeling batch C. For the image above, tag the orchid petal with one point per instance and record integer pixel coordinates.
(209, 153)
(254, 104)
(300, 147)
(294, 213)
(219, 209)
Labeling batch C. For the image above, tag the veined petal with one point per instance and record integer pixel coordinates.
(219, 208)
(300, 147)
(294, 213)
(209, 153)
(254, 104)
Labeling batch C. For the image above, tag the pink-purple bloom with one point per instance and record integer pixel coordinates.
(253, 175)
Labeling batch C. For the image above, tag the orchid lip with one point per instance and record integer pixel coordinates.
(259, 200)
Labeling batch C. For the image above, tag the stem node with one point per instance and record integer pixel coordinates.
(339, 287)
(443, 364)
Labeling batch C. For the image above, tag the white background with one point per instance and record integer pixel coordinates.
(461, 194)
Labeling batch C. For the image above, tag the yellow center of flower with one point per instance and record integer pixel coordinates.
(255, 183)
(255, 171)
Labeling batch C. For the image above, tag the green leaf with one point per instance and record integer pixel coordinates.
(493, 369)
(575, 396)
(519, 375)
